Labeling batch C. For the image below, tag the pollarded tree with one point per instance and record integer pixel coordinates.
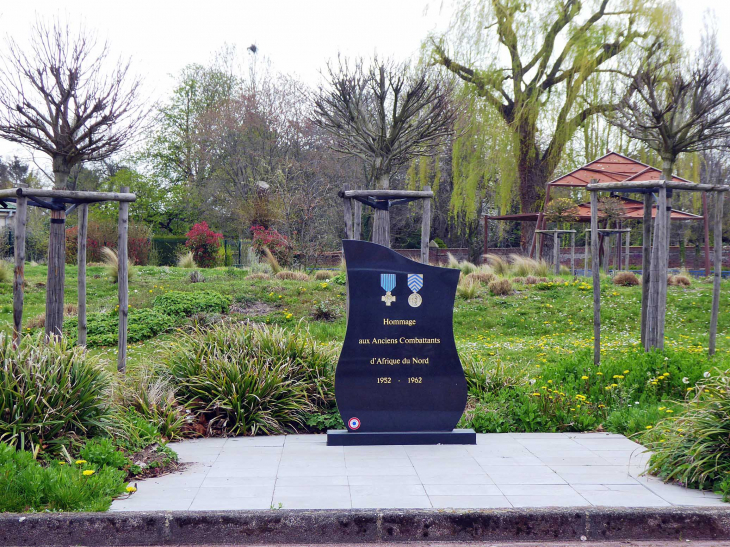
(385, 114)
(679, 105)
(58, 97)
(530, 61)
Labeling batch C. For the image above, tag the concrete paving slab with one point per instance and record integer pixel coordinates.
(503, 470)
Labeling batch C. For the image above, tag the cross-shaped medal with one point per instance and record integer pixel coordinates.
(388, 298)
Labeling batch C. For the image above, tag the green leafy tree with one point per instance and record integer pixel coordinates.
(551, 50)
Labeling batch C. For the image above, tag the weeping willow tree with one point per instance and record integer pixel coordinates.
(530, 62)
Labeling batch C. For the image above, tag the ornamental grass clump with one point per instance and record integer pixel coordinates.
(50, 393)
(625, 279)
(500, 287)
(257, 276)
(694, 448)
(292, 276)
(250, 379)
(499, 265)
(6, 272)
(481, 277)
(110, 258)
(467, 288)
(324, 275)
(186, 260)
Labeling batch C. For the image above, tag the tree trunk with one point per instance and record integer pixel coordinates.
(533, 177)
(56, 259)
(381, 221)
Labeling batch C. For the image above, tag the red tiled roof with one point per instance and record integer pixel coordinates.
(613, 167)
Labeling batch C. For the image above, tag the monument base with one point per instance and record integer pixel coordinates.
(342, 437)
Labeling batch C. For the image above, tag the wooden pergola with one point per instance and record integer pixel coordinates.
(655, 256)
(384, 200)
(61, 203)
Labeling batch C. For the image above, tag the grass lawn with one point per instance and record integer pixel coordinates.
(522, 336)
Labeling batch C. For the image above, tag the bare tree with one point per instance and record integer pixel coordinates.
(385, 114)
(58, 97)
(677, 106)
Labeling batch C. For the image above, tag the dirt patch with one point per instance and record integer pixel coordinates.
(252, 309)
(153, 461)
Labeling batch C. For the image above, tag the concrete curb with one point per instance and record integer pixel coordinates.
(363, 526)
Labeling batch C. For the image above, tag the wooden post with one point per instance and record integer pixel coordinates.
(56, 279)
(556, 252)
(542, 222)
(81, 255)
(123, 282)
(627, 259)
(596, 281)
(572, 253)
(645, 264)
(348, 213)
(658, 275)
(663, 271)
(585, 256)
(357, 221)
(425, 227)
(706, 223)
(717, 274)
(21, 221)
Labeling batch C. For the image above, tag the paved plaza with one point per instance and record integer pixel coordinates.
(502, 470)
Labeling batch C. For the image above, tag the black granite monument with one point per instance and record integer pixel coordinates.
(399, 379)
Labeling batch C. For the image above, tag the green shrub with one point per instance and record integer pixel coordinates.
(102, 451)
(183, 304)
(252, 379)
(50, 393)
(102, 328)
(325, 419)
(26, 485)
(694, 447)
(152, 396)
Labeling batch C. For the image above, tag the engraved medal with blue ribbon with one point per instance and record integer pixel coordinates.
(387, 282)
(415, 282)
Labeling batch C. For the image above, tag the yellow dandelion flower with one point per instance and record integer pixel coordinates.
(88, 472)
(131, 489)
(80, 462)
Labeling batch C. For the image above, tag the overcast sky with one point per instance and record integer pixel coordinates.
(298, 36)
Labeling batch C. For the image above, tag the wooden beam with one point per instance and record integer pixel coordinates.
(123, 283)
(426, 227)
(21, 221)
(646, 264)
(596, 281)
(658, 274)
(556, 252)
(81, 256)
(717, 274)
(67, 194)
(653, 185)
(390, 194)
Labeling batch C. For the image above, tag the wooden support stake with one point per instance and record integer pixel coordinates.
(556, 252)
(81, 255)
(596, 281)
(486, 236)
(706, 227)
(123, 282)
(646, 264)
(572, 254)
(348, 213)
(585, 257)
(663, 271)
(21, 221)
(357, 221)
(627, 260)
(425, 227)
(56, 279)
(717, 232)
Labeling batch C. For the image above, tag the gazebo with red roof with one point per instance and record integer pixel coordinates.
(613, 167)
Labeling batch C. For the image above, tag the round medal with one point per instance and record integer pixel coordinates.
(415, 300)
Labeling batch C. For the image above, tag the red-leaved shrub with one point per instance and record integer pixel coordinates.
(104, 234)
(277, 243)
(204, 243)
